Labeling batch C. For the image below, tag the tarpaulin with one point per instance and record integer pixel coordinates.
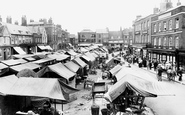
(72, 66)
(80, 62)
(19, 50)
(37, 87)
(6, 83)
(116, 69)
(14, 62)
(142, 86)
(30, 66)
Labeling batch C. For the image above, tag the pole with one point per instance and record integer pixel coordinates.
(62, 108)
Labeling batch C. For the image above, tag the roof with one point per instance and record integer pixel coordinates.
(71, 52)
(72, 66)
(14, 62)
(88, 54)
(37, 87)
(17, 29)
(86, 30)
(104, 31)
(137, 84)
(20, 67)
(35, 23)
(6, 83)
(61, 70)
(80, 62)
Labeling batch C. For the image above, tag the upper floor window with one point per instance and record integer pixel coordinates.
(83, 36)
(159, 26)
(164, 41)
(170, 24)
(155, 41)
(159, 42)
(155, 28)
(177, 23)
(8, 51)
(165, 28)
(141, 26)
(148, 24)
(170, 42)
(177, 42)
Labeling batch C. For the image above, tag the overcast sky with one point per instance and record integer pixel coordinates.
(76, 15)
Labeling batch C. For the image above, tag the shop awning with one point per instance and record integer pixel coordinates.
(141, 86)
(37, 87)
(116, 69)
(30, 66)
(72, 66)
(42, 47)
(3, 66)
(80, 62)
(61, 70)
(19, 50)
(6, 83)
(48, 47)
(14, 62)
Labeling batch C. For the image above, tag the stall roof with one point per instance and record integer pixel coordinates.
(116, 69)
(61, 70)
(58, 57)
(20, 67)
(141, 86)
(29, 59)
(6, 83)
(23, 55)
(37, 87)
(48, 47)
(71, 52)
(88, 54)
(72, 66)
(14, 62)
(19, 50)
(43, 60)
(80, 62)
(86, 58)
(83, 49)
(3, 66)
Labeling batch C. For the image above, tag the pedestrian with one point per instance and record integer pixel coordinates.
(179, 73)
(46, 109)
(159, 73)
(150, 64)
(155, 65)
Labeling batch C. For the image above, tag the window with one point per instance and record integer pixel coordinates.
(148, 24)
(164, 41)
(155, 28)
(8, 52)
(155, 41)
(99, 35)
(0, 52)
(159, 42)
(177, 23)
(159, 26)
(177, 42)
(141, 26)
(165, 26)
(170, 24)
(170, 42)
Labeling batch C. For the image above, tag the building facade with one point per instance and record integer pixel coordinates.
(168, 36)
(102, 36)
(86, 36)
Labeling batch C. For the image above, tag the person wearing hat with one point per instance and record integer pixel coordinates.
(46, 109)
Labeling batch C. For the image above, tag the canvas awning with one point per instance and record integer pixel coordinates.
(14, 62)
(72, 66)
(116, 69)
(141, 86)
(22, 56)
(83, 49)
(71, 52)
(19, 50)
(29, 59)
(86, 57)
(3, 66)
(88, 54)
(80, 62)
(42, 47)
(61, 70)
(6, 83)
(20, 67)
(58, 57)
(41, 61)
(48, 47)
(37, 87)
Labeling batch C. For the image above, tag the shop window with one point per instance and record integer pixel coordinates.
(170, 24)
(165, 28)
(177, 23)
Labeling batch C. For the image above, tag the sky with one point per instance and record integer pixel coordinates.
(76, 15)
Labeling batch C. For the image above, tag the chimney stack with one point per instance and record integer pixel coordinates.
(16, 23)
(24, 21)
(178, 3)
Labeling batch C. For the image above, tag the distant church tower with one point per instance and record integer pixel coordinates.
(165, 5)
